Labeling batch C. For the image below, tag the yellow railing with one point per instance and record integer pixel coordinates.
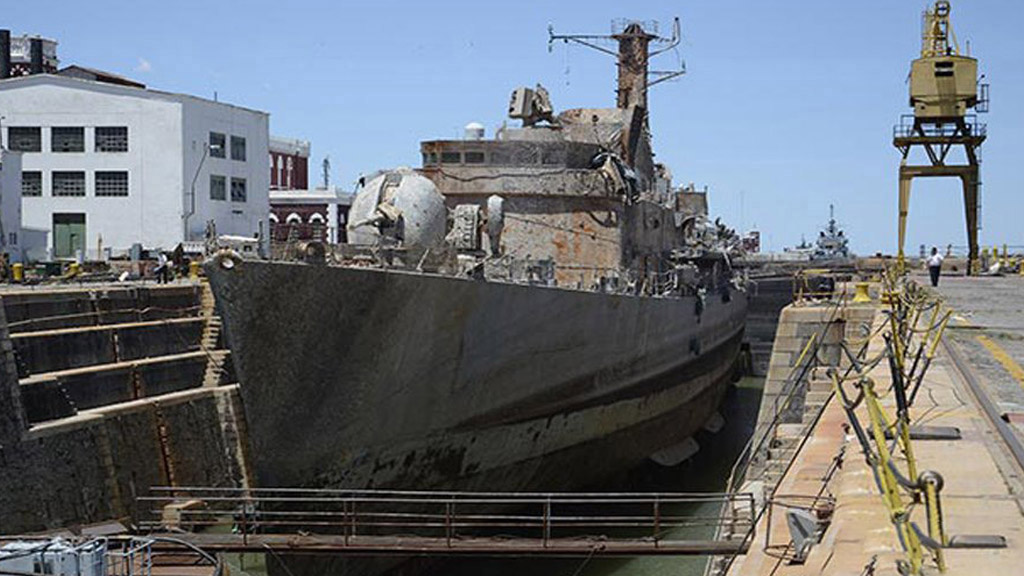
(915, 324)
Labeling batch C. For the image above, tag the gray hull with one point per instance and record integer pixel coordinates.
(356, 377)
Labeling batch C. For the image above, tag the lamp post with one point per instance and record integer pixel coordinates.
(192, 195)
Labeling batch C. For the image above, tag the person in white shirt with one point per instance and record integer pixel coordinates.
(162, 268)
(935, 265)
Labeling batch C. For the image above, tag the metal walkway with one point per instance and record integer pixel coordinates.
(380, 522)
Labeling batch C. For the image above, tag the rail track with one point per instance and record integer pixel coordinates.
(988, 407)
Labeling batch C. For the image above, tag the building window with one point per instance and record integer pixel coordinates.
(111, 138)
(238, 189)
(67, 139)
(218, 187)
(218, 145)
(238, 148)
(12, 238)
(69, 183)
(31, 183)
(25, 138)
(451, 157)
(111, 183)
(474, 157)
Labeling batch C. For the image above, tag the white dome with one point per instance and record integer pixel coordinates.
(397, 207)
(475, 131)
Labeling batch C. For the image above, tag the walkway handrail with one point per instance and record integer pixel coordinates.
(439, 516)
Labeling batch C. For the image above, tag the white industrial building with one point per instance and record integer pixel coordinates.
(11, 237)
(106, 166)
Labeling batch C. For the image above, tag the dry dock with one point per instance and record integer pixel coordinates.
(106, 390)
(838, 501)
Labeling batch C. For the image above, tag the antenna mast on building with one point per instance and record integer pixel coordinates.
(326, 167)
(634, 39)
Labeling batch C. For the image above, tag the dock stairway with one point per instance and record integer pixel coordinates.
(210, 342)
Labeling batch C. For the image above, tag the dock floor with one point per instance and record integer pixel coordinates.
(983, 492)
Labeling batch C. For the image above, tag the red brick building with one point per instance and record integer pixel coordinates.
(298, 212)
(318, 214)
(289, 164)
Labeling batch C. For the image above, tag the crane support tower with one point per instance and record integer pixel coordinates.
(944, 89)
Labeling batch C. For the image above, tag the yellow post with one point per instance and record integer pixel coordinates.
(934, 508)
(898, 513)
(73, 269)
(18, 269)
(193, 270)
(861, 294)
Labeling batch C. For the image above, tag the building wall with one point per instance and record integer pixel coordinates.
(281, 178)
(231, 217)
(166, 137)
(151, 212)
(11, 238)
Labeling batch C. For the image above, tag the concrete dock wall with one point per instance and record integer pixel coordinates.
(90, 468)
(61, 349)
(62, 394)
(770, 296)
(49, 309)
(78, 444)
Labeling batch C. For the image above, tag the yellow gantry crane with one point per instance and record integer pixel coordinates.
(944, 90)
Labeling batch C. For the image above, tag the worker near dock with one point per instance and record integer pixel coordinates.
(935, 265)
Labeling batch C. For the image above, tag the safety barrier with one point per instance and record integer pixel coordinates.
(910, 346)
(381, 522)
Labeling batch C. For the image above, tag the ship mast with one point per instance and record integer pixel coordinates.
(634, 54)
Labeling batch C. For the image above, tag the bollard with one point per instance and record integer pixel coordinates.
(861, 294)
(73, 269)
(193, 270)
(18, 270)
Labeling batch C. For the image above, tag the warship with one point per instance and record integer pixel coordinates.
(832, 244)
(533, 311)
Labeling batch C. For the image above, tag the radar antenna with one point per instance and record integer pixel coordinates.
(634, 53)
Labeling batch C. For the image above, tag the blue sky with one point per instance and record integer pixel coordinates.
(786, 106)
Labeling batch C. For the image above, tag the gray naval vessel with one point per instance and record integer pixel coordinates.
(534, 311)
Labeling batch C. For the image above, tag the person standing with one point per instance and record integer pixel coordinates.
(935, 265)
(161, 268)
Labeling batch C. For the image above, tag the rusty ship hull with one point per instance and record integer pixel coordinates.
(363, 377)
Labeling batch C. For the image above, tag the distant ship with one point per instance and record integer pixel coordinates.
(530, 312)
(832, 244)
